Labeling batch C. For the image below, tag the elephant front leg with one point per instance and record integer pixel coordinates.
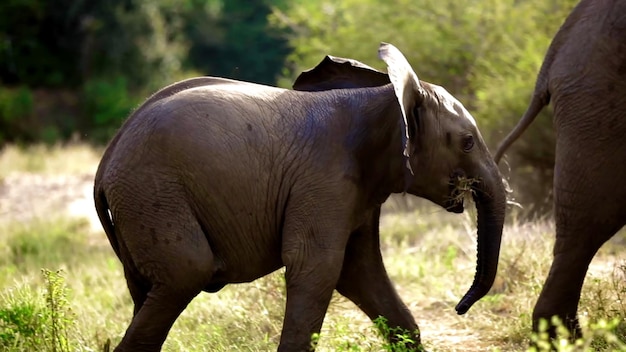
(311, 279)
(365, 282)
(313, 255)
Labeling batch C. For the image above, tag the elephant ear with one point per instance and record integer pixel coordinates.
(339, 73)
(407, 88)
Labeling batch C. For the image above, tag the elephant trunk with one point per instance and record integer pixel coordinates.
(490, 200)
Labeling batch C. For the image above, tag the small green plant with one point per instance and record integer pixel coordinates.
(59, 316)
(402, 339)
(315, 339)
(20, 321)
(542, 340)
(601, 336)
(31, 321)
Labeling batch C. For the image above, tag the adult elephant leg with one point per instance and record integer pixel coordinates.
(313, 253)
(561, 291)
(573, 251)
(365, 282)
(588, 211)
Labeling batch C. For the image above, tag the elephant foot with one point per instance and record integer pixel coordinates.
(547, 331)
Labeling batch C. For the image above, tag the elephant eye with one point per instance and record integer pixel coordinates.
(468, 143)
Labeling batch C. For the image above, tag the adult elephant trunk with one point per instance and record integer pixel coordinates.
(490, 200)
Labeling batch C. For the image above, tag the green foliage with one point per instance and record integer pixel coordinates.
(470, 47)
(15, 104)
(237, 42)
(402, 338)
(62, 43)
(38, 40)
(344, 339)
(108, 102)
(60, 319)
(602, 335)
(21, 323)
(141, 40)
(109, 55)
(43, 321)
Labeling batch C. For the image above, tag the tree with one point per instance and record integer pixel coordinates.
(82, 65)
(239, 44)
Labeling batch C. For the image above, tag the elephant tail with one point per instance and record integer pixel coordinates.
(541, 95)
(104, 214)
(540, 98)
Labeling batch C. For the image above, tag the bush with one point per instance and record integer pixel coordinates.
(20, 322)
(107, 103)
(16, 105)
(41, 321)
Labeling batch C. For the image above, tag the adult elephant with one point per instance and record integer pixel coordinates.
(213, 181)
(584, 76)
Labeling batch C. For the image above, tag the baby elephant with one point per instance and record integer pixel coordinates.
(213, 181)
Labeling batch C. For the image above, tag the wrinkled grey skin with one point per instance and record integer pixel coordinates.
(584, 76)
(213, 181)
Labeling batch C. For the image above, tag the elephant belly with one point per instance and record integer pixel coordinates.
(244, 248)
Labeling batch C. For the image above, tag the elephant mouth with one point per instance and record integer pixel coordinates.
(461, 187)
(455, 206)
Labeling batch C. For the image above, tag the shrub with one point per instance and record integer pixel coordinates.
(107, 103)
(16, 104)
(41, 321)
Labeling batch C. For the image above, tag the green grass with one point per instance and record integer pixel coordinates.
(80, 301)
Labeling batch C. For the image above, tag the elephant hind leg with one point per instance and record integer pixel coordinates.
(152, 322)
(589, 210)
(158, 306)
(561, 291)
(578, 239)
(137, 285)
(166, 266)
(138, 289)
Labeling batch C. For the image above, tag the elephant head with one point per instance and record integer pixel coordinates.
(444, 153)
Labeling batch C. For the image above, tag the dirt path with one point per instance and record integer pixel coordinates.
(27, 196)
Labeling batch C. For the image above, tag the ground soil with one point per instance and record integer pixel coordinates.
(27, 196)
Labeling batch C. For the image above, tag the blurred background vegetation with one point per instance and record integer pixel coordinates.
(74, 69)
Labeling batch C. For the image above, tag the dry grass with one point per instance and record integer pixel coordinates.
(464, 188)
(48, 160)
